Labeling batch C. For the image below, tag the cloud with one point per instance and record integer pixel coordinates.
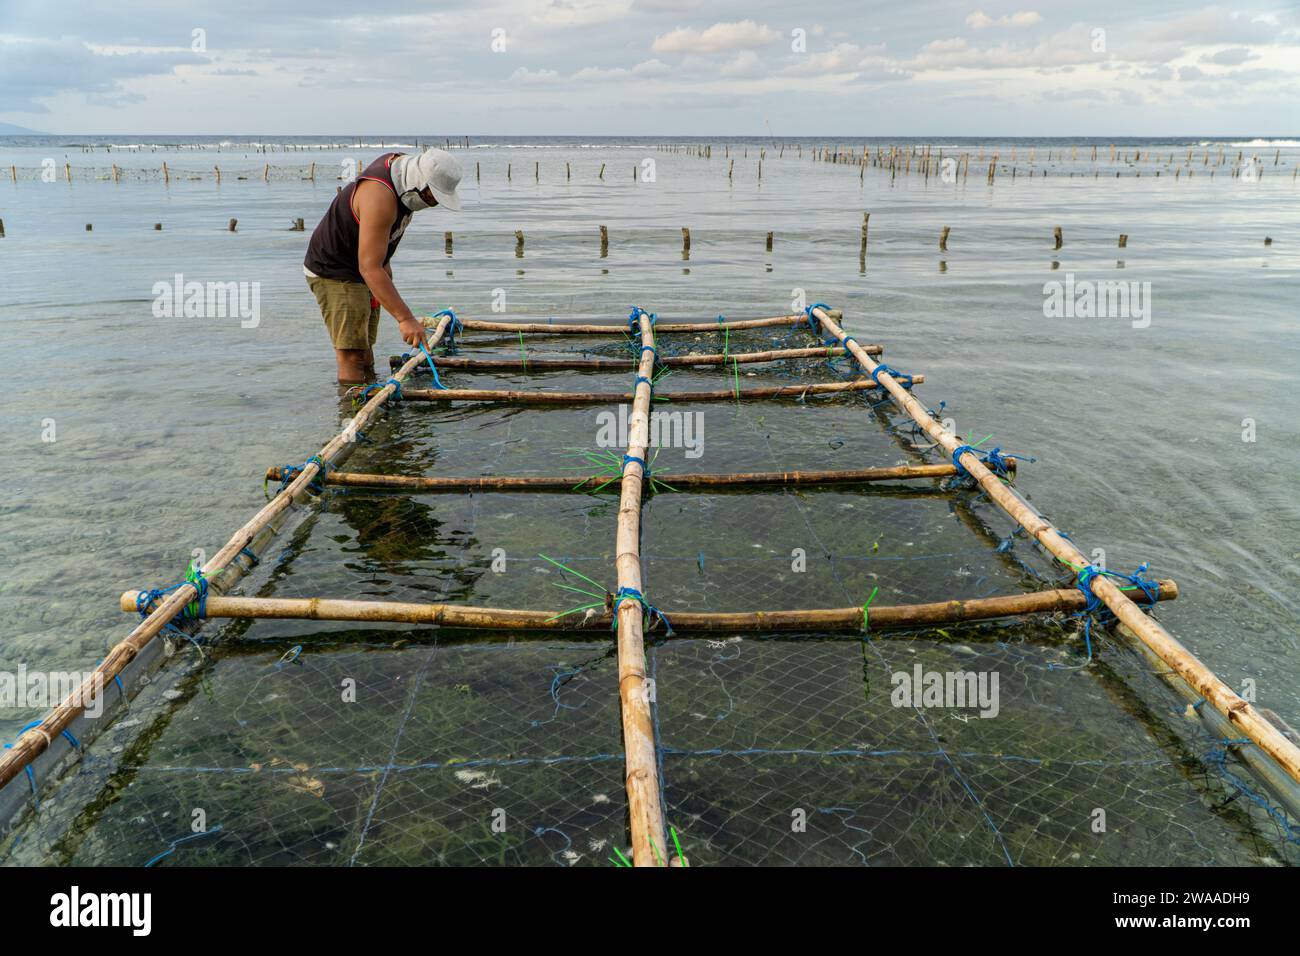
(643, 70)
(1232, 56)
(744, 63)
(35, 69)
(979, 20)
(719, 38)
(569, 13)
(1215, 26)
(534, 77)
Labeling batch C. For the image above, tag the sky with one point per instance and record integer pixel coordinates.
(652, 67)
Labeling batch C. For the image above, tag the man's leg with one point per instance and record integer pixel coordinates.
(356, 366)
(345, 307)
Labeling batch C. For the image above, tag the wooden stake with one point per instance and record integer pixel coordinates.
(1056, 235)
(769, 242)
(1123, 240)
(943, 239)
(686, 243)
(233, 223)
(604, 242)
(1240, 713)
(519, 244)
(446, 243)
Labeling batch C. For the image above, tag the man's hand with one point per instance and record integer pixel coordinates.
(413, 332)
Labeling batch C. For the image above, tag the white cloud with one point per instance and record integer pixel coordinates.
(719, 38)
(534, 77)
(744, 63)
(979, 20)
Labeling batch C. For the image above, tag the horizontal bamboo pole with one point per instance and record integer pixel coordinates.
(684, 482)
(1239, 712)
(480, 325)
(1063, 600)
(613, 398)
(32, 743)
(512, 363)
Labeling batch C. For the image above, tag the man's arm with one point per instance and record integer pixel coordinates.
(376, 208)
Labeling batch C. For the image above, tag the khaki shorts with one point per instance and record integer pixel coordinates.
(346, 307)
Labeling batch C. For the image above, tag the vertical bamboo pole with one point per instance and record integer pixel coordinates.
(1239, 712)
(649, 845)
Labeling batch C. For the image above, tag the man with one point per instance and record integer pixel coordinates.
(347, 263)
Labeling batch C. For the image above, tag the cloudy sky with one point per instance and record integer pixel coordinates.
(927, 67)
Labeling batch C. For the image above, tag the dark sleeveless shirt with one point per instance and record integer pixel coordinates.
(332, 251)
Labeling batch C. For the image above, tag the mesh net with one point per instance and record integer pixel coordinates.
(301, 742)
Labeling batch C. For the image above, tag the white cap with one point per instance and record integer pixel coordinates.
(434, 169)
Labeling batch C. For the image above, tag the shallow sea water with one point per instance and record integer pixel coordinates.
(166, 426)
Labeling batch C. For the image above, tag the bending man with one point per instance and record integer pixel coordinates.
(348, 259)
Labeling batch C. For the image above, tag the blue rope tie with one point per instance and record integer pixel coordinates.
(638, 380)
(882, 367)
(251, 556)
(813, 322)
(379, 386)
(289, 472)
(994, 461)
(437, 382)
(633, 459)
(1096, 608)
(453, 328)
(197, 609)
(845, 343)
(652, 350)
(633, 326)
(31, 774)
(650, 612)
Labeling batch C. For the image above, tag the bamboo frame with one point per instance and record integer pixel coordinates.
(517, 397)
(511, 364)
(649, 839)
(1239, 713)
(34, 742)
(683, 482)
(882, 617)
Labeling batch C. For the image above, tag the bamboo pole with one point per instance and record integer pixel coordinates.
(683, 482)
(649, 840)
(515, 363)
(31, 744)
(516, 397)
(881, 617)
(1239, 712)
(480, 325)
